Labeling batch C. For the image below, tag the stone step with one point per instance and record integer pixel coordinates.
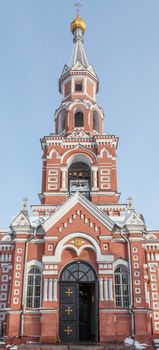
(32, 346)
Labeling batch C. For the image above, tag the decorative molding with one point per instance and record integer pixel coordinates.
(61, 245)
(118, 262)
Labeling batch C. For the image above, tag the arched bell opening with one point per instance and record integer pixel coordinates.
(95, 121)
(78, 303)
(78, 119)
(79, 178)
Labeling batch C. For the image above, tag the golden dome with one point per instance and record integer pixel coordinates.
(78, 22)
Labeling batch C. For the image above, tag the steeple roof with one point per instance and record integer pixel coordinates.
(78, 59)
(78, 54)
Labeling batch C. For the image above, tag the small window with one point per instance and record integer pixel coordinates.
(79, 120)
(78, 86)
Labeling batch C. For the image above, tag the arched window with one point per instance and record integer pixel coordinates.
(79, 119)
(95, 121)
(61, 121)
(34, 288)
(121, 286)
(78, 272)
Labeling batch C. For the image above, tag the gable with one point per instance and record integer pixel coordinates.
(20, 220)
(65, 70)
(85, 205)
(134, 219)
(78, 66)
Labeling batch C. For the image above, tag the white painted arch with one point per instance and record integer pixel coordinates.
(49, 156)
(61, 245)
(118, 262)
(82, 157)
(34, 263)
(106, 151)
(78, 250)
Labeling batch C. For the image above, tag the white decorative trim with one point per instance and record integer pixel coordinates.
(51, 154)
(105, 272)
(88, 155)
(50, 272)
(72, 201)
(119, 262)
(51, 238)
(107, 153)
(34, 262)
(61, 246)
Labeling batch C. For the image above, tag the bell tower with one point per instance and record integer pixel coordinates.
(78, 85)
(79, 156)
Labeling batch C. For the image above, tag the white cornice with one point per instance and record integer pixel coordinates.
(51, 238)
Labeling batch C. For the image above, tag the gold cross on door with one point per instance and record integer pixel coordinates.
(68, 310)
(68, 330)
(69, 292)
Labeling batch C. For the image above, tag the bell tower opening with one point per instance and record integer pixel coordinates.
(95, 121)
(79, 178)
(79, 119)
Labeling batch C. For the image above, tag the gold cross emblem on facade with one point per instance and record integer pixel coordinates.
(68, 330)
(68, 310)
(69, 292)
(78, 242)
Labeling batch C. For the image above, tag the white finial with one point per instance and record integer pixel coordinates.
(130, 203)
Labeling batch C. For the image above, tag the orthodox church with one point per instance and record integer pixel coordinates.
(83, 268)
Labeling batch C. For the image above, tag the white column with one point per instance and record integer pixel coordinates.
(94, 91)
(45, 289)
(55, 290)
(50, 289)
(72, 86)
(94, 179)
(89, 118)
(101, 298)
(105, 289)
(64, 172)
(85, 86)
(6, 257)
(110, 288)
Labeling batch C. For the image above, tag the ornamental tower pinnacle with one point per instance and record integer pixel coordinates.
(78, 85)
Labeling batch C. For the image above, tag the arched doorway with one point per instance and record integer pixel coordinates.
(78, 303)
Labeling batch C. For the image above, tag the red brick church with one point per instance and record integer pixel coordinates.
(83, 268)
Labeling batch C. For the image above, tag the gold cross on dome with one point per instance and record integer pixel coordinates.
(69, 292)
(68, 330)
(25, 202)
(68, 310)
(78, 5)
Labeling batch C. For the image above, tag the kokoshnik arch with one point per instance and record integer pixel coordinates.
(84, 267)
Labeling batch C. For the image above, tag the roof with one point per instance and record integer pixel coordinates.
(78, 55)
(70, 203)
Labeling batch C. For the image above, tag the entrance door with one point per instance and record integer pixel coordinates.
(78, 303)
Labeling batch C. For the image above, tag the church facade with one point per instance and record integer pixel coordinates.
(83, 267)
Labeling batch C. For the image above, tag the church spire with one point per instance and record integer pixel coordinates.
(78, 27)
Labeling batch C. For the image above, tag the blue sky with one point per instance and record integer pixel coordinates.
(122, 43)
